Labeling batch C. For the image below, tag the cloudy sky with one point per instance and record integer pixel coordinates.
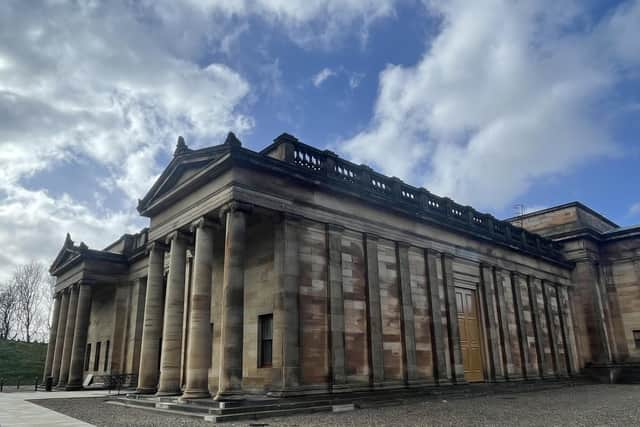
(494, 103)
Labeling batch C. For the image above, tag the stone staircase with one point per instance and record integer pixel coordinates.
(258, 407)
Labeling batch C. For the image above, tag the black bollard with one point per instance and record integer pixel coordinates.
(18, 383)
(35, 387)
(1, 384)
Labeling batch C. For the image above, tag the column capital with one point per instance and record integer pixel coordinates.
(287, 216)
(177, 234)
(486, 265)
(371, 236)
(433, 252)
(447, 255)
(334, 228)
(156, 245)
(234, 206)
(403, 245)
(204, 222)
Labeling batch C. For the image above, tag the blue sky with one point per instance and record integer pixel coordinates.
(493, 103)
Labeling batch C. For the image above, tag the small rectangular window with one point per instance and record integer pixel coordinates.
(87, 358)
(636, 338)
(265, 337)
(106, 356)
(96, 360)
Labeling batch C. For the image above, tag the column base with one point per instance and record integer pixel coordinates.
(73, 387)
(146, 390)
(195, 394)
(168, 393)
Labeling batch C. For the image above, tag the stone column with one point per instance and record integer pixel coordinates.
(491, 323)
(68, 337)
(455, 351)
(566, 322)
(516, 279)
(376, 350)
(336, 305)
(435, 304)
(151, 329)
(551, 327)
(231, 337)
(62, 324)
(78, 350)
(536, 312)
(136, 318)
(503, 319)
(286, 318)
(170, 367)
(408, 322)
(53, 332)
(199, 339)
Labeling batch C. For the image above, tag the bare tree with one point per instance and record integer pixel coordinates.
(8, 312)
(32, 291)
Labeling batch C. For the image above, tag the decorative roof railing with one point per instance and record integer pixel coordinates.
(421, 202)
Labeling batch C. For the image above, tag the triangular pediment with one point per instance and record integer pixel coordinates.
(67, 252)
(181, 170)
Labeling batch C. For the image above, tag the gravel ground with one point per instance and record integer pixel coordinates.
(588, 405)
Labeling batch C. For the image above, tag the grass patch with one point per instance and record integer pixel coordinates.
(21, 360)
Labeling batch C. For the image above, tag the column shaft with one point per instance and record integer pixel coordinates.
(173, 316)
(566, 323)
(435, 302)
(231, 338)
(68, 337)
(521, 322)
(62, 324)
(408, 321)
(491, 323)
(78, 350)
(199, 339)
(286, 316)
(376, 350)
(501, 280)
(551, 327)
(536, 312)
(53, 332)
(336, 305)
(455, 351)
(150, 347)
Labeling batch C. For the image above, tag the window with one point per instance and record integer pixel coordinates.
(265, 337)
(87, 357)
(106, 357)
(96, 360)
(636, 338)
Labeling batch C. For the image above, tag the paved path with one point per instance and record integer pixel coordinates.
(15, 410)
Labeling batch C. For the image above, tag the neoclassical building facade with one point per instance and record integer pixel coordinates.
(291, 271)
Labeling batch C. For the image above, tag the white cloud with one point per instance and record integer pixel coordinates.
(355, 79)
(503, 96)
(113, 84)
(322, 75)
(634, 210)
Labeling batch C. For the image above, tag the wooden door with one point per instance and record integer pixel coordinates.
(470, 337)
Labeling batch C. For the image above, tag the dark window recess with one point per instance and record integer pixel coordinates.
(265, 335)
(636, 338)
(106, 356)
(87, 358)
(96, 360)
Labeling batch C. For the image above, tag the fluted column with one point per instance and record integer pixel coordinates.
(62, 323)
(173, 316)
(455, 350)
(150, 347)
(78, 350)
(230, 379)
(374, 310)
(435, 306)
(488, 286)
(68, 337)
(53, 332)
(199, 340)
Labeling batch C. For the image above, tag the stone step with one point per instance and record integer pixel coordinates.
(255, 415)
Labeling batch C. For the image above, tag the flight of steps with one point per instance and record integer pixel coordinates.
(256, 407)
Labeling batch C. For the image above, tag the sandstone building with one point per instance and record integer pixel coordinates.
(291, 270)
